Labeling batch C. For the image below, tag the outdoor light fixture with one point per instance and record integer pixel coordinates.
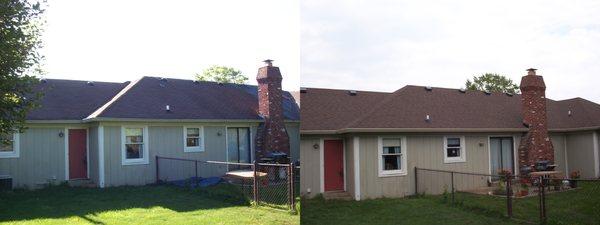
(61, 134)
(316, 146)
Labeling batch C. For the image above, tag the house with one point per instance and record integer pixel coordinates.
(110, 133)
(367, 144)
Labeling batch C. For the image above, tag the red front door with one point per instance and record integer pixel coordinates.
(77, 153)
(334, 165)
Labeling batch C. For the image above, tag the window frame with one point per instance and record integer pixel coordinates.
(15, 153)
(145, 157)
(403, 152)
(463, 150)
(200, 147)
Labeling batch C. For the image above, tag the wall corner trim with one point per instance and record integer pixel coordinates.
(356, 149)
(322, 165)
(101, 156)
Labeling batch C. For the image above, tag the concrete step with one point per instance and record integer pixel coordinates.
(337, 195)
(81, 183)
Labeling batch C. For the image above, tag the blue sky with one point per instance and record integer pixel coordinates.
(384, 45)
(123, 40)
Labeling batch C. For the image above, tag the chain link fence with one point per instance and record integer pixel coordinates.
(533, 200)
(272, 185)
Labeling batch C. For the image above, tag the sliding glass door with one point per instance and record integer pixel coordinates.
(238, 145)
(501, 154)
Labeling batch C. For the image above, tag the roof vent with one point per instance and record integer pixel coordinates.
(91, 83)
(163, 79)
(168, 108)
(220, 83)
(509, 94)
(196, 82)
(570, 113)
(427, 118)
(43, 80)
(303, 90)
(487, 92)
(352, 93)
(428, 88)
(462, 90)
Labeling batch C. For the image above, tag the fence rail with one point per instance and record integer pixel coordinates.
(266, 184)
(527, 199)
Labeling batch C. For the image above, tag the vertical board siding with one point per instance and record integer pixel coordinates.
(580, 153)
(41, 160)
(93, 154)
(423, 152)
(309, 167)
(293, 131)
(166, 141)
(558, 142)
(349, 151)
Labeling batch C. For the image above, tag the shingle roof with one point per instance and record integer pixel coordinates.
(326, 109)
(148, 97)
(71, 99)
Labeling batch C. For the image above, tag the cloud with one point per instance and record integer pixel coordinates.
(384, 45)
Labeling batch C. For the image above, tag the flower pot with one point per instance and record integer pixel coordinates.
(524, 193)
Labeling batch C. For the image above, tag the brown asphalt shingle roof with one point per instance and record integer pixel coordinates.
(327, 109)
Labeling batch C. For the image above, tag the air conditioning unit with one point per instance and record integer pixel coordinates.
(5, 182)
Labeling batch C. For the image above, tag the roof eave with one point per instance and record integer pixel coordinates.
(415, 130)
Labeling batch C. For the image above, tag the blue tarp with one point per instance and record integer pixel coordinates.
(195, 182)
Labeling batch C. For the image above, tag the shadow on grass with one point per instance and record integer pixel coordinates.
(62, 201)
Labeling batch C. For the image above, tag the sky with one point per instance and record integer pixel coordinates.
(387, 44)
(124, 40)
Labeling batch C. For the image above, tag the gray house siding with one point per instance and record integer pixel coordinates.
(580, 154)
(93, 154)
(558, 142)
(293, 130)
(349, 162)
(166, 140)
(41, 159)
(310, 158)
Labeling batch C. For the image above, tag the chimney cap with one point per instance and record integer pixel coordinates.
(531, 71)
(269, 62)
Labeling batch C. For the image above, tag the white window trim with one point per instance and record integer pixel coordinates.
(463, 150)
(200, 147)
(15, 153)
(142, 161)
(390, 173)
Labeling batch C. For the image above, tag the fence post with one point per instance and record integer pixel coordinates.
(543, 201)
(157, 175)
(255, 184)
(509, 195)
(416, 181)
(196, 168)
(541, 195)
(292, 199)
(452, 184)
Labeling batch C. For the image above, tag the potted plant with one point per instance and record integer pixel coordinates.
(556, 183)
(574, 176)
(524, 191)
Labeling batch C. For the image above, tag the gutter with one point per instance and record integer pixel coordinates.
(416, 130)
(109, 119)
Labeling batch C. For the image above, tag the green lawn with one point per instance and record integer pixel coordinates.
(581, 206)
(136, 205)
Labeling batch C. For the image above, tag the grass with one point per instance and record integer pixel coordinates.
(581, 206)
(221, 204)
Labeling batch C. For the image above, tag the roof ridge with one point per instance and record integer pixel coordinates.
(113, 100)
(95, 81)
(376, 107)
(334, 89)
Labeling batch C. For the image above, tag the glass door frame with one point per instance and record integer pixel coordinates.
(250, 142)
(514, 152)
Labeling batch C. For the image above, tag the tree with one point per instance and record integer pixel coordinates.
(493, 83)
(222, 74)
(20, 28)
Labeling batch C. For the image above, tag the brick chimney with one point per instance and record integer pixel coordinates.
(271, 134)
(536, 144)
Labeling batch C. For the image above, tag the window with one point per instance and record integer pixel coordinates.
(193, 139)
(9, 145)
(454, 149)
(392, 156)
(135, 145)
